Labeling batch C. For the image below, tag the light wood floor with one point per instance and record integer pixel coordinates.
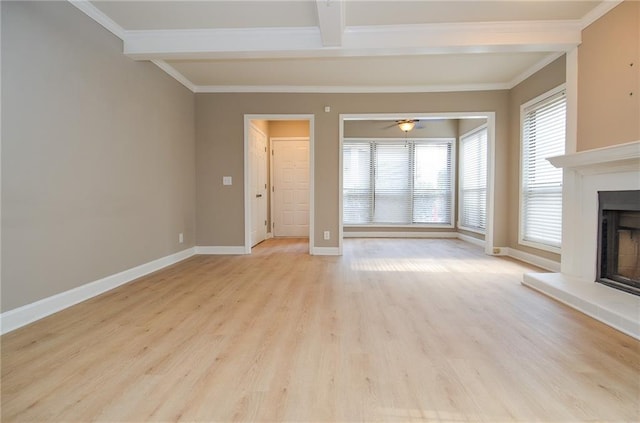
(394, 330)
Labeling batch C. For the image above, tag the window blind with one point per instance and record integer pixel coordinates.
(433, 183)
(472, 204)
(393, 167)
(543, 130)
(357, 182)
(397, 182)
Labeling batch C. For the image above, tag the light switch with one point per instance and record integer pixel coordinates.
(226, 180)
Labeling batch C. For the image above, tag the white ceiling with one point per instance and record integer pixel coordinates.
(346, 46)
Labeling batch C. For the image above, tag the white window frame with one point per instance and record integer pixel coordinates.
(484, 127)
(451, 141)
(521, 222)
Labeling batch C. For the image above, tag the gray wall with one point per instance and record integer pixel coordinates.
(219, 148)
(98, 155)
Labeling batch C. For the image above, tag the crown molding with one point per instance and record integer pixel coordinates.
(173, 72)
(535, 68)
(346, 89)
(97, 15)
(598, 12)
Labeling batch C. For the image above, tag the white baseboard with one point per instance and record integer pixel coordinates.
(21, 316)
(326, 251)
(553, 266)
(221, 250)
(400, 234)
(471, 240)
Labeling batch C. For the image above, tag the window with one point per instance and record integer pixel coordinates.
(357, 183)
(472, 205)
(398, 182)
(543, 136)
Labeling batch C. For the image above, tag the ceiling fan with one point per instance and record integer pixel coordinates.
(405, 125)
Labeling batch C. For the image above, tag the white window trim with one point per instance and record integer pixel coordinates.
(521, 239)
(452, 141)
(466, 134)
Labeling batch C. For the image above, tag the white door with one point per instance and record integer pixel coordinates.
(258, 184)
(291, 188)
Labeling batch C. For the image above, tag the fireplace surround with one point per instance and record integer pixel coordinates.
(585, 174)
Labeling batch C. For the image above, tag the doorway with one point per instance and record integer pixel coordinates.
(284, 198)
(290, 187)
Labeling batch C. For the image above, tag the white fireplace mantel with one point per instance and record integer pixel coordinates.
(585, 173)
(618, 158)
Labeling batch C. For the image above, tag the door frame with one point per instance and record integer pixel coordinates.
(247, 172)
(272, 197)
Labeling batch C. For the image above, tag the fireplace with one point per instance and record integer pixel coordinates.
(587, 174)
(619, 240)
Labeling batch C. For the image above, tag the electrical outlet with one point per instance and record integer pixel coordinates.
(180, 237)
(496, 251)
(327, 235)
(227, 180)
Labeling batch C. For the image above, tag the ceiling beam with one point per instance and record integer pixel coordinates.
(296, 42)
(258, 43)
(484, 37)
(331, 21)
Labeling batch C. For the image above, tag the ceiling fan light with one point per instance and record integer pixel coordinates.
(406, 125)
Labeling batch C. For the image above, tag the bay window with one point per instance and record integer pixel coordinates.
(398, 182)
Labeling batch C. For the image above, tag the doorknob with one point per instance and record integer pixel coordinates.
(258, 195)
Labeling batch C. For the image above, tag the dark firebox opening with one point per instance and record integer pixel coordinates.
(619, 240)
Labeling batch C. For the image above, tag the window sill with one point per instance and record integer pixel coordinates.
(392, 226)
(474, 230)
